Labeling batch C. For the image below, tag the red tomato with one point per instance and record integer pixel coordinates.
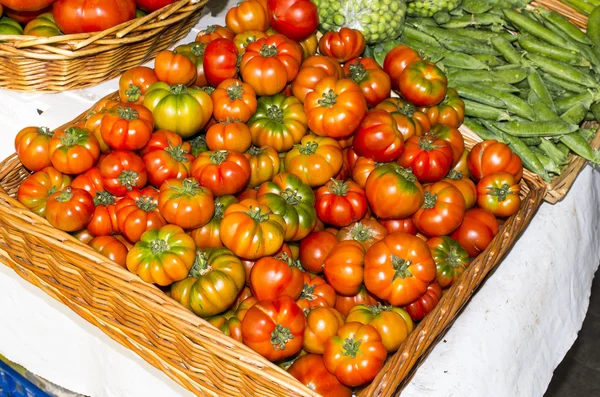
(83, 16)
(491, 156)
(345, 303)
(321, 324)
(429, 159)
(31, 146)
(296, 19)
(138, 212)
(104, 220)
(477, 230)
(222, 172)
(183, 202)
(122, 171)
(442, 210)
(390, 183)
(74, 150)
(312, 70)
(340, 203)
(343, 267)
(378, 137)
(153, 5)
(311, 372)
(272, 277)
(397, 60)
(127, 127)
(33, 192)
(134, 83)
(174, 68)
(367, 232)
(111, 248)
(274, 329)
(465, 185)
(247, 15)
(425, 303)
(26, 5)
(399, 268)
(315, 293)
(499, 194)
(220, 61)
(69, 209)
(213, 32)
(314, 248)
(355, 355)
(342, 45)
(423, 83)
(373, 81)
(405, 225)
(233, 101)
(451, 135)
(166, 156)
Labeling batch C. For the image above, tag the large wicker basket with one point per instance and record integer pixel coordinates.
(76, 61)
(168, 336)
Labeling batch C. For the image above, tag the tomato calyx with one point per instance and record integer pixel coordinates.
(200, 266)
(72, 136)
(429, 201)
(339, 188)
(104, 198)
(309, 148)
(291, 196)
(128, 178)
(235, 91)
(159, 246)
(351, 347)
(146, 203)
(64, 196)
(501, 192)
(218, 156)
(210, 29)
(360, 232)
(328, 100)
(219, 209)
(127, 113)
(190, 188)
(209, 89)
(406, 173)
(256, 214)
(453, 257)
(198, 49)
(267, 51)
(44, 131)
(284, 257)
(177, 153)
(455, 175)
(255, 150)
(178, 89)
(308, 292)
(401, 267)
(378, 308)
(280, 336)
(358, 73)
(275, 113)
(199, 143)
(426, 144)
(134, 92)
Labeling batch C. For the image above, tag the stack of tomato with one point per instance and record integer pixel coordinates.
(287, 197)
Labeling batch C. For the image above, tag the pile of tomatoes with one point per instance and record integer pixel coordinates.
(286, 197)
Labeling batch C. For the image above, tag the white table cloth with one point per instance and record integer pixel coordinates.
(507, 342)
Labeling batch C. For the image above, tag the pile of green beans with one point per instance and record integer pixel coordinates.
(528, 79)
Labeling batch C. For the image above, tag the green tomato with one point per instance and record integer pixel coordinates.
(178, 108)
(42, 26)
(10, 27)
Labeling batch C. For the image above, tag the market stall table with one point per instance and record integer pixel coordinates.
(507, 342)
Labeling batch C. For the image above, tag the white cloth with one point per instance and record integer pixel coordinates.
(507, 342)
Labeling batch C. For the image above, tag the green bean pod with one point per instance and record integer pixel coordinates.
(588, 133)
(565, 25)
(543, 112)
(536, 29)
(549, 165)
(586, 99)
(537, 85)
(563, 148)
(514, 104)
(531, 44)
(581, 147)
(532, 141)
(474, 20)
(508, 76)
(475, 109)
(489, 60)
(474, 93)
(593, 30)
(536, 128)
(553, 152)
(575, 115)
(506, 49)
(476, 6)
(418, 35)
(480, 130)
(442, 17)
(562, 70)
(566, 85)
(484, 35)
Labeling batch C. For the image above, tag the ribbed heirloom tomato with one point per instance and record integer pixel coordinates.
(423, 83)
(340, 203)
(69, 209)
(372, 80)
(450, 112)
(274, 328)
(122, 171)
(264, 164)
(220, 61)
(221, 171)
(251, 230)
(83, 16)
(465, 185)
(399, 268)
(322, 323)
(279, 122)
(195, 52)
(234, 136)
(127, 127)
(342, 45)
(393, 192)
(275, 276)
(343, 267)
(246, 37)
(74, 150)
(315, 293)
(162, 256)
(430, 159)
(296, 19)
(355, 355)
(450, 259)
(183, 202)
(213, 32)
(311, 372)
(111, 248)
(213, 283)
(451, 135)
(442, 211)
(134, 83)
(174, 68)
(315, 160)
(405, 225)
(247, 15)
(362, 169)
(166, 156)
(335, 107)
(314, 248)
(378, 137)
(477, 230)
(491, 156)
(233, 100)
(293, 200)
(208, 236)
(425, 303)
(397, 60)
(26, 5)
(138, 212)
(31, 146)
(499, 194)
(410, 121)
(366, 231)
(312, 70)
(270, 63)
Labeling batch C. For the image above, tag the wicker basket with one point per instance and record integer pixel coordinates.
(185, 347)
(76, 61)
(575, 16)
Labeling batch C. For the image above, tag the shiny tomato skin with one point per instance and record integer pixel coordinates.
(425, 303)
(183, 202)
(208, 236)
(153, 5)
(315, 160)
(342, 45)
(345, 303)
(450, 259)
(213, 32)
(272, 277)
(312, 70)
(122, 171)
(311, 372)
(450, 112)
(83, 16)
(137, 213)
(174, 68)
(340, 203)
(242, 40)
(274, 328)
(343, 267)
(466, 186)
(321, 324)
(127, 127)
(429, 159)
(397, 60)
(410, 121)
(393, 323)
(296, 19)
(232, 136)
(390, 183)
(314, 248)
(34, 191)
(69, 209)
(220, 61)
(399, 268)
(233, 101)
(491, 156)
(451, 135)
(405, 225)
(31, 146)
(27, 5)
(315, 293)
(499, 194)
(373, 81)
(423, 83)
(74, 150)
(134, 82)
(222, 172)
(110, 247)
(247, 15)
(378, 137)
(477, 230)
(442, 211)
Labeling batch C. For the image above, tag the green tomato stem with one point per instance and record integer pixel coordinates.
(308, 293)
(455, 175)
(72, 136)
(177, 153)
(178, 89)
(146, 203)
(133, 93)
(127, 113)
(44, 131)
(128, 178)
(268, 51)
(500, 192)
(406, 173)
(255, 150)
(358, 73)
(291, 196)
(200, 266)
(159, 246)
(401, 266)
(309, 148)
(339, 188)
(329, 99)
(65, 195)
(429, 201)
(257, 216)
(351, 347)
(235, 91)
(275, 113)
(360, 232)
(280, 336)
(104, 198)
(218, 156)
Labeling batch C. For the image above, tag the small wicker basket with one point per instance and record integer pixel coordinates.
(173, 339)
(76, 61)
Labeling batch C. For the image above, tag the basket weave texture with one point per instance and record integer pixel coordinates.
(185, 347)
(75, 61)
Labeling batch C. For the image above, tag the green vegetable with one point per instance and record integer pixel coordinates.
(593, 30)
(476, 6)
(378, 20)
(536, 128)
(549, 165)
(566, 85)
(565, 25)
(539, 88)
(474, 93)
(528, 25)
(532, 141)
(415, 34)
(475, 109)
(562, 70)
(489, 60)
(428, 8)
(533, 45)
(508, 76)
(474, 20)
(479, 130)
(553, 152)
(10, 27)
